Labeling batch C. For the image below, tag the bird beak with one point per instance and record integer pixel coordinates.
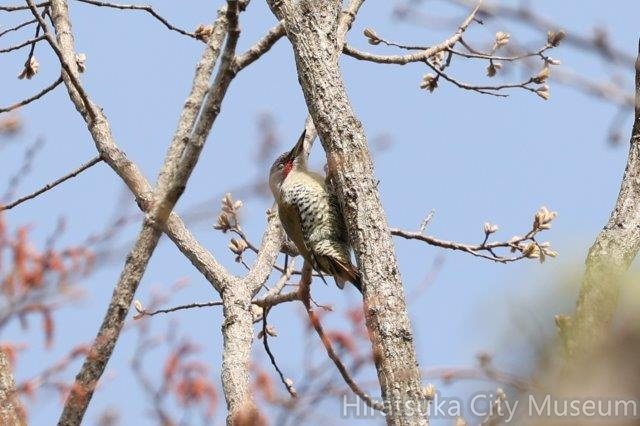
(298, 148)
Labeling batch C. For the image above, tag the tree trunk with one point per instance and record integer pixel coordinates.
(312, 29)
(11, 411)
(610, 256)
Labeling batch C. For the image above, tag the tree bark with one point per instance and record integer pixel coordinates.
(610, 256)
(11, 411)
(237, 328)
(237, 333)
(312, 29)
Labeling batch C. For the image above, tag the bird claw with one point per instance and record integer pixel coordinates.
(272, 214)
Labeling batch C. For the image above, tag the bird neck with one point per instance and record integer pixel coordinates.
(300, 164)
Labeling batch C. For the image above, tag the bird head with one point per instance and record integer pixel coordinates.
(284, 164)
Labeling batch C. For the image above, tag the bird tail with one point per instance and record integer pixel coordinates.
(346, 272)
(357, 283)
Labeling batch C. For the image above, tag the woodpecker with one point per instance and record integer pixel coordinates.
(311, 216)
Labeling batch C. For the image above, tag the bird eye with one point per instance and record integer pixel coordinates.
(280, 166)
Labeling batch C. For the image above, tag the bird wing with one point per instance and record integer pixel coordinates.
(291, 222)
(290, 219)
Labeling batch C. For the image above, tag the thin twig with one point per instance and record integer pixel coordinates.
(147, 9)
(474, 54)
(427, 56)
(475, 249)
(44, 376)
(18, 8)
(51, 185)
(23, 44)
(287, 383)
(73, 77)
(28, 67)
(137, 363)
(399, 60)
(416, 57)
(274, 296)
(145, 313)
(305, 291)
(25, 168)
(486, 90)
(17, 27)
(34, 97)
(597, 42)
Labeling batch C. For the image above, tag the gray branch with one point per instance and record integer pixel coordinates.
(181, 159)
(193, 129)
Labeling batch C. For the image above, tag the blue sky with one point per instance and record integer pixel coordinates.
(471, 158)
